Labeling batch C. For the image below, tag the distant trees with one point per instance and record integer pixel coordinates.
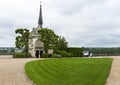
(104, 51)
(7, 51)
(22, 39)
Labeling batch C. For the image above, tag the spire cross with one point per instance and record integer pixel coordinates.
(40, 2)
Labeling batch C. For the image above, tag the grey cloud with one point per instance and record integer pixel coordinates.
(6, 23)
(98, 39)
(105, 41)
(68, 7)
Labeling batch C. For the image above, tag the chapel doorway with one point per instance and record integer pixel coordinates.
(39, 49)
(37, 54)
(41, 53)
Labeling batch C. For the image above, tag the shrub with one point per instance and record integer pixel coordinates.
(45, 55)
(54, 55)
(21, 55)
(64, 53)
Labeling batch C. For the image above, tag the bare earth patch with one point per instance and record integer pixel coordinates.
(12, 71)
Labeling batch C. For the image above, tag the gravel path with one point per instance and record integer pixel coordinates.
(114, 77)
(12, 71)
(5, 56)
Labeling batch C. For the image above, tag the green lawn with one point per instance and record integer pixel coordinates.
(69, 71)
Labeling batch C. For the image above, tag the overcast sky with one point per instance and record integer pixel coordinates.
(84, 23)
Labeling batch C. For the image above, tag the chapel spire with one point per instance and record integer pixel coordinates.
(40, 21)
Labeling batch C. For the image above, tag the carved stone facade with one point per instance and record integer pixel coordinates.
(36, 47)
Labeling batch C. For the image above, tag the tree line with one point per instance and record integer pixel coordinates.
(113, 51)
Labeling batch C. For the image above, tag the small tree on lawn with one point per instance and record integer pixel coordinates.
(22, 40)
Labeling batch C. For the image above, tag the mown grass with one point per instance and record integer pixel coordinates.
(72, 71)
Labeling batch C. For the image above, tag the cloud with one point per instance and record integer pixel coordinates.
(91, 24)
(88, 23)
(68, 7)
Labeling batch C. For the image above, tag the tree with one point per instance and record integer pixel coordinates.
(49, 38)
(22, 40)
(62, 44)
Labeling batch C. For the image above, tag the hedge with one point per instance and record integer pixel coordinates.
(77, 52)
(63, 53)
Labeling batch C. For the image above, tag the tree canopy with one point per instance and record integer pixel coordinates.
(49, 38)
(22, 39)
(62, 44)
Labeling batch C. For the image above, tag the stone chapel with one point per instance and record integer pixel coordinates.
(36, 47)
